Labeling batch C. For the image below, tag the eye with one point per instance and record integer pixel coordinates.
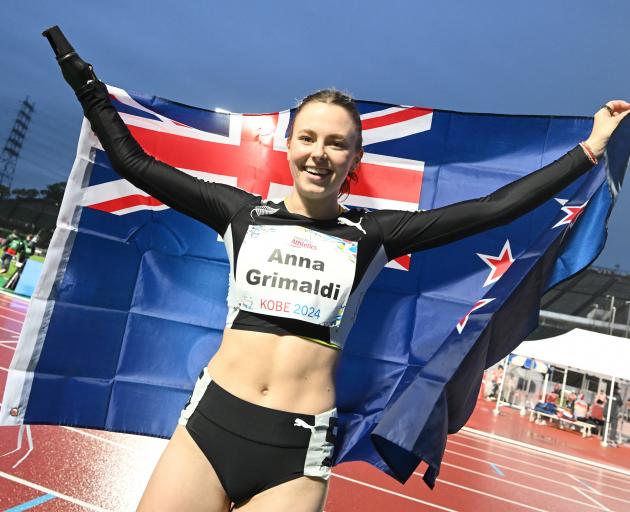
(305, 138)
(340, 144)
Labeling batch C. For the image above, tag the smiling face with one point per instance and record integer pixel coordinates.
(322, 151)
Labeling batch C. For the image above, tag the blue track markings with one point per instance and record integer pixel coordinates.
(497, 469)
(33, 503)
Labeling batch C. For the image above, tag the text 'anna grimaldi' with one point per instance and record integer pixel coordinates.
(256, 277)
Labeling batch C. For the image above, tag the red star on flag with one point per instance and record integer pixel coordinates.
(498, 264)
(572, 213)
(479, 304)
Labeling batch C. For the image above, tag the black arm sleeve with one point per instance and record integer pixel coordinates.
(406, 232)
(212, 203)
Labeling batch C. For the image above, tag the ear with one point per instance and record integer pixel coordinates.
(357, 160)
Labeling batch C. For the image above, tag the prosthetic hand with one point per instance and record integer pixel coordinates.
(75, 70)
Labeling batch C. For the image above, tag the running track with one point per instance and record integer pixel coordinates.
(76, 470)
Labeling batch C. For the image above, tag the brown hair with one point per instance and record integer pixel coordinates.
(335, 97)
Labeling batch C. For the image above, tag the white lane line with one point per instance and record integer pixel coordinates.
(546, 451)
(2, 328)
(382, 489)
(592, 499)
(104, 440)
(510, 444)
(20, 312)
(15, 297)
(43, 489)
(13, 319)
(588, 474)
(120, 445)
(534, 475)
(581, 482)
(136, 451)
(442, 481)
(128, 448)
(509, 482)
(13, 310)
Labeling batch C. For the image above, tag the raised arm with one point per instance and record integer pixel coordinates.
(211, 203)
(406, 232)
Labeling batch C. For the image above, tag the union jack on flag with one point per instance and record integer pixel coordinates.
(249, 151)
(130, 286)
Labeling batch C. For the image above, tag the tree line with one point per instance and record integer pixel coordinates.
(52, 192)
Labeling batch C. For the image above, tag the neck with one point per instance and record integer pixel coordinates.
(314, 208)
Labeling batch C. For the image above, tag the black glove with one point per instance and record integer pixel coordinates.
(75, 70)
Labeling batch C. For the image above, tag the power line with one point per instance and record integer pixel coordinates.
(13, 146)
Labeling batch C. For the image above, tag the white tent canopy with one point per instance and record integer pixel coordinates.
(585, 350)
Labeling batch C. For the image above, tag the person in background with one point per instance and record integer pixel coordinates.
(600, 399)
(580, 408)
(23, 252)
(497, 377)
(554, 396)
(13, 245)
(615, 408)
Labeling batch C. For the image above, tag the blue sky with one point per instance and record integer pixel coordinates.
(537, 57)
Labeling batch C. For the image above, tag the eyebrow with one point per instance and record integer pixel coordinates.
(336, 136)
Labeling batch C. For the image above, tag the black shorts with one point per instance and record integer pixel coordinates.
(252, 448)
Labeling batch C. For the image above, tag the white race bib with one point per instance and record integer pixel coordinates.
(295, 272)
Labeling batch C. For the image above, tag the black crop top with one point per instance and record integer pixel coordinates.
(291, 274)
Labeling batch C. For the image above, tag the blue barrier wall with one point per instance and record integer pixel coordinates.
(29, 278)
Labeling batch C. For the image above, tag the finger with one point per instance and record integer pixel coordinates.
(619, 118)
(618, 105)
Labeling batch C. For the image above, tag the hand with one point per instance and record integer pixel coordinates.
(75, 70)
(604, 124)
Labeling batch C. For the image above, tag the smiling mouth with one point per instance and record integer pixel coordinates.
(318, 171)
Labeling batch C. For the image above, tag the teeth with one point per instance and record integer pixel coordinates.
(316, 171)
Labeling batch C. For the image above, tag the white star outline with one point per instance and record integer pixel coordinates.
(479, 304)
(492, 277)
(570, 212)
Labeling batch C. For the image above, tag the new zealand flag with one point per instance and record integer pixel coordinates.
(131, 303)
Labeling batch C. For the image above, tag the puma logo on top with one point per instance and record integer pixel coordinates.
(348, 222)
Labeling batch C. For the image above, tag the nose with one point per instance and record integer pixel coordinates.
(318, 151)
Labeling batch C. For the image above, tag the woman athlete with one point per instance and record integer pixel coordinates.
(258, 432)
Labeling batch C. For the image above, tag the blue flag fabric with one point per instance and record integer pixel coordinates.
(131, 303)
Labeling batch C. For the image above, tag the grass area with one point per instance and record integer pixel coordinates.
(4, 277)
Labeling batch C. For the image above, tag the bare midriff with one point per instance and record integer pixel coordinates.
(288, 373)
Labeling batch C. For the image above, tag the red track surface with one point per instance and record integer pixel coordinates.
(73, 469)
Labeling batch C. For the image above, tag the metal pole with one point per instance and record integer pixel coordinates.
(505, 371)
(613, 312)
(553, 319)
(529, 382)
(545, 382)
(564, 383)
(612, 390)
